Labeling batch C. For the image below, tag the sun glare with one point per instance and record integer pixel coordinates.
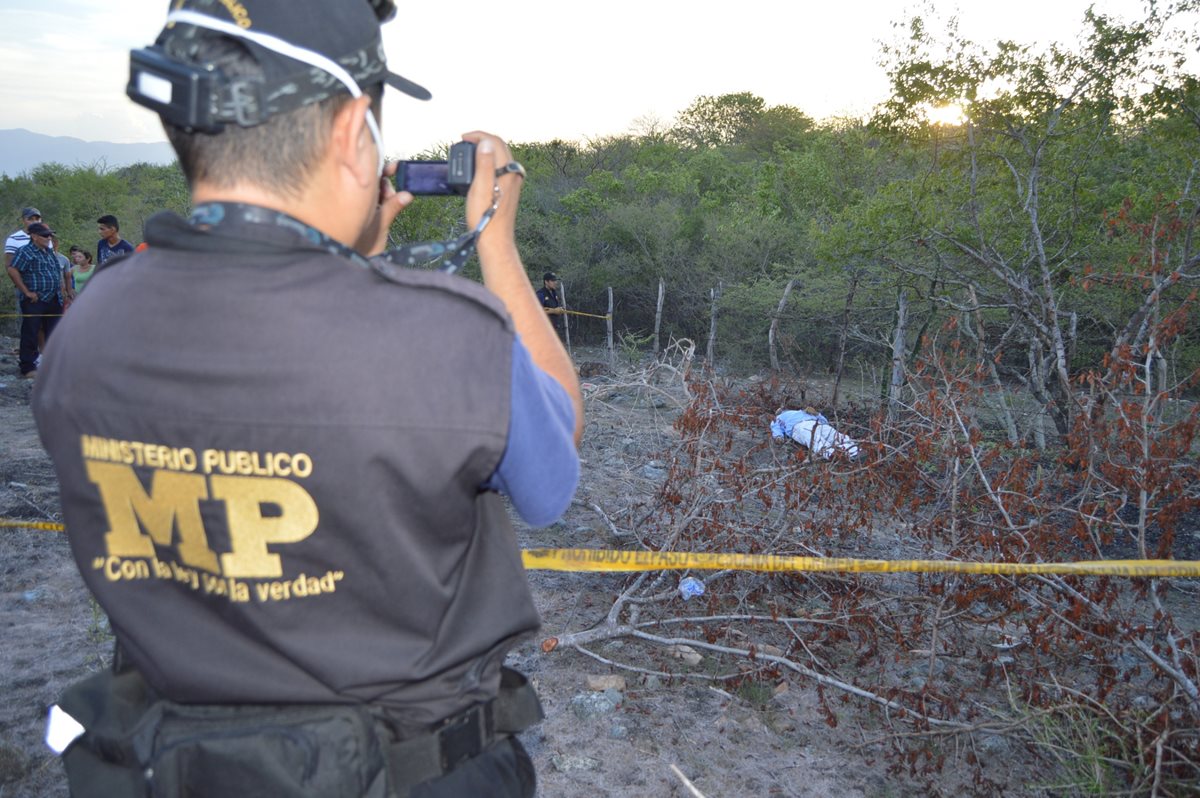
(948, 115)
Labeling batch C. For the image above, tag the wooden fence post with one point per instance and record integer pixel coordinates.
(658, 314)
(715, 293)
(562, 287)
(612, 358)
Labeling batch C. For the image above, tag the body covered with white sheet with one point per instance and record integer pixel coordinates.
(813, 431)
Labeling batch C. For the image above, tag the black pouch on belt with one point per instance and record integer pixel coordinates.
(138, 745)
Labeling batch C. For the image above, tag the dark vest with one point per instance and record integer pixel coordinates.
(270, 459)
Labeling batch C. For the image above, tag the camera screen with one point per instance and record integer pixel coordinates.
(422, 177)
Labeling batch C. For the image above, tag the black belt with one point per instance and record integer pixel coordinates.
(460, 737)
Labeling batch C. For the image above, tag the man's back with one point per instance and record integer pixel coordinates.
(278, 474)
(323, 482)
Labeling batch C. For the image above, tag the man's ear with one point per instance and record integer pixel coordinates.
(351, 144)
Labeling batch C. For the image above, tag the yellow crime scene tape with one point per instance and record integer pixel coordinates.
(614, 561)
(626, 561)
(589, 315)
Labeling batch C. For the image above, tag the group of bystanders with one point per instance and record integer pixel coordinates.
(46, 281)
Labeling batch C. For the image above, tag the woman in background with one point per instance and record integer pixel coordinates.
(82, 271)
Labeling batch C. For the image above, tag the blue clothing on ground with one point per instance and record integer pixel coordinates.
(540, 467)
(786, 421)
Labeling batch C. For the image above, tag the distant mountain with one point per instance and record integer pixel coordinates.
(21, 151)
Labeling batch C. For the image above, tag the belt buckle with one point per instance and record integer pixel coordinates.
(461, 737)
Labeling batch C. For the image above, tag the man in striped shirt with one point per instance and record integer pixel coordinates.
(36, 273)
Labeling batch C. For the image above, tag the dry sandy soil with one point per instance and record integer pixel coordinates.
(643, 739)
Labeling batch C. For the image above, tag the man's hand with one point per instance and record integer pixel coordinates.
(374, 238)
(491, 153)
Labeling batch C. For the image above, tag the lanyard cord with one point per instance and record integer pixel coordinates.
(455, 251)
(214, 216)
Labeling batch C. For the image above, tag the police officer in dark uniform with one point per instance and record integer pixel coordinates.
(552, 304)
(292, 516)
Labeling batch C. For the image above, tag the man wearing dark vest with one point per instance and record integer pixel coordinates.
(301, 545)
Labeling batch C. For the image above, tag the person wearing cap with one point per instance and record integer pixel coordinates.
(110, 244)
(323, 580)
(551, 304)
(36, 273)
(18, 239)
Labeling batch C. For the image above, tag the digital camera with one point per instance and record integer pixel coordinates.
(452, 176)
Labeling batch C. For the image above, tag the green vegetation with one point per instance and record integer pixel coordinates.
(1042, 219)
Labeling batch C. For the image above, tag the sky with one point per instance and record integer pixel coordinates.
(528, 70)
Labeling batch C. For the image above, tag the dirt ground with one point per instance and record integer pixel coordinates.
(640, 738)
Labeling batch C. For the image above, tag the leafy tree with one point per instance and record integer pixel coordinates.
(716, 121)
(1010, 203)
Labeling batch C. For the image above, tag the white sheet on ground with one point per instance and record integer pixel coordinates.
(813, 432)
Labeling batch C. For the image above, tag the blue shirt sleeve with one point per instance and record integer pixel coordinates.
(778, 430)
(540, 467)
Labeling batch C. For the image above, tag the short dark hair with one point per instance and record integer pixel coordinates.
(279, 153)
(108, 220)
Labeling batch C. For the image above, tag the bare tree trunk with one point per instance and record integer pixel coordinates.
(771, 333)
(715, 293)
(612, 357)
(841, 356)
(657, 314)
(1037, 390)
(898, 347)
(973, 327)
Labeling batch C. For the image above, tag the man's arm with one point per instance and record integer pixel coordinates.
(503, 273)
(15, 276)
(540, 467)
